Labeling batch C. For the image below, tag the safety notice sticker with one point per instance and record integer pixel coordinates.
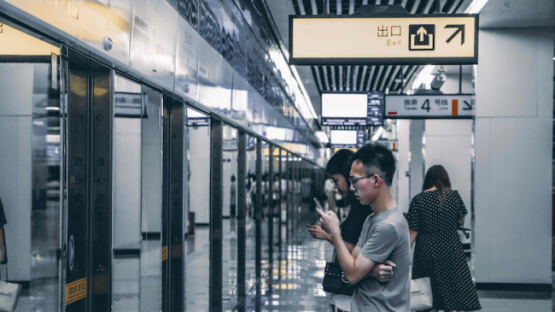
(76, 290)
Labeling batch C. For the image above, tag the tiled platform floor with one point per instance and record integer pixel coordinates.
(294, 284)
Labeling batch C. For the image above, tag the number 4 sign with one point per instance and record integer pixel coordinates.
(441, 106)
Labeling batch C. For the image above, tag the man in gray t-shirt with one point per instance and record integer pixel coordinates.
(385, 237)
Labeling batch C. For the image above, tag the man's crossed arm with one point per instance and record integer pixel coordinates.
(355, 266)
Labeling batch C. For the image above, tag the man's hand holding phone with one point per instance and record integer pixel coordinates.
(329, 222)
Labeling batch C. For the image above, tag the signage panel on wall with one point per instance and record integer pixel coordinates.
(103, 27)
(196, 119)
(344, 109)
(347, 138)
(186, 71)
(438, 106)
(153, 43)
(129, 105)
(395, 39)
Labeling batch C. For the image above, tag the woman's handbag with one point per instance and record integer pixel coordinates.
(9, 295)
(421, 297)
(464, 236)
(421, 294)
(464, 233)
(335, 281)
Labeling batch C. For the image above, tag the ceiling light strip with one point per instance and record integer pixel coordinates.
(428, 6)
(454, 6)
(318, 79)
(334, 87)
(384, 78)
(355, 76)
(415, 6)
(375, 85)
(302, 90)
(314, 7)
(340, 78)
(475, 6)
(364, 70)
(301, 7)
(326, 79)
(412, 76)
(370, 77)
(348, 77)
(406, 76)
(392, 78)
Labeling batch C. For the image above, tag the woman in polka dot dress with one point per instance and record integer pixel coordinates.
(433, 218)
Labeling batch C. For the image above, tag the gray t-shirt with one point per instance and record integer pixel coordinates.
(385, 237)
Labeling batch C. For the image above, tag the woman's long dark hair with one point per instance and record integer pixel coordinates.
(437, 176)
(340, 163)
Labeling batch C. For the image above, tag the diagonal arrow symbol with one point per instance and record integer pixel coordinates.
(460, 29)
(468, 106)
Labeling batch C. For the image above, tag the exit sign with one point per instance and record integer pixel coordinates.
(395, 39)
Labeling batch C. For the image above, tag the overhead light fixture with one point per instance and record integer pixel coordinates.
(475, 6)
(378, 133)
(321, 135)
(438, 80)
(425, 76)
(307, 102)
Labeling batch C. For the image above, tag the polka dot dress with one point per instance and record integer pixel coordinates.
(438, 252)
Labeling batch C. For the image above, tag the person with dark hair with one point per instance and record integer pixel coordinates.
(232, 197)
(434, 216)
(338, 168)
(3, 249)
(384, 236)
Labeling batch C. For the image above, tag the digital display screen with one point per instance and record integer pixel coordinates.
(347, 138)
(344, 105)
(352, 109)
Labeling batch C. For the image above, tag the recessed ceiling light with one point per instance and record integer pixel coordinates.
(475, 6)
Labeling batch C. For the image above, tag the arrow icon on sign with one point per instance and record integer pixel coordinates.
(421, 32)
(460, 29)
(468, 106)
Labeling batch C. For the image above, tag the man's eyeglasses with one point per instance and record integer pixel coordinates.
(355, 180)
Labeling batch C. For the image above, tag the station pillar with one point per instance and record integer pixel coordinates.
(513, 168)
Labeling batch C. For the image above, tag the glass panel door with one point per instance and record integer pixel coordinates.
(151, 202)
(126, 176)
(197, 260)
(229, 278)
(137, 196)
(30, 167)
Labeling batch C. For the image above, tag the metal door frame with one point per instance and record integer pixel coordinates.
(94, 190)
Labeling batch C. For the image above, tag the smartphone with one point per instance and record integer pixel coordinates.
(319, 204)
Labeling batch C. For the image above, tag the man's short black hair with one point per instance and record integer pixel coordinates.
(377, 159)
